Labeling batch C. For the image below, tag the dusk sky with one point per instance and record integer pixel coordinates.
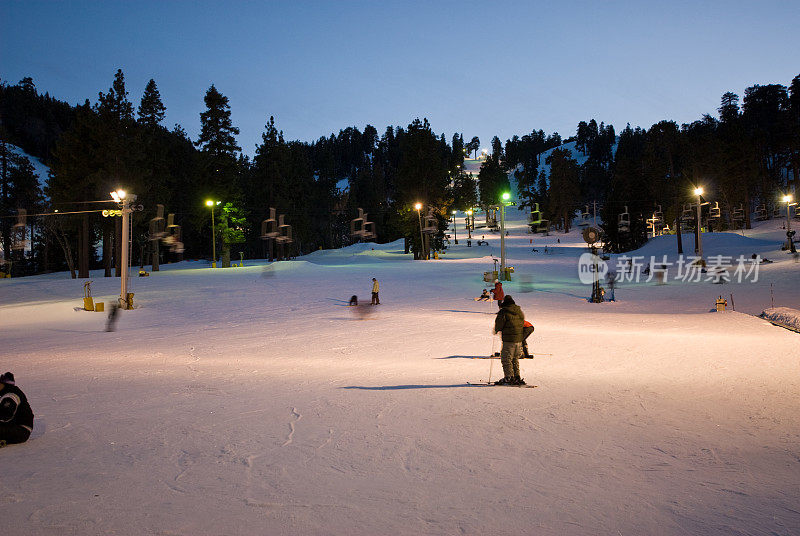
(480, 68)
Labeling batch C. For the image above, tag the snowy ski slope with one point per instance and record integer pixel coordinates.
(254, 401)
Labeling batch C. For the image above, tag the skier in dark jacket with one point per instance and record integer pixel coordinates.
(16, 417)
(510, 322)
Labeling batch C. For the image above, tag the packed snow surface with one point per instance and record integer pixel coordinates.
(253, 400)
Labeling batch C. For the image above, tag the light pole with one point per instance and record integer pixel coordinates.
(418, 206)
(122, 198)
(788, 199)
(699, 242)
(506, 196)
(469, 225)
(212, 204)
(455, 234)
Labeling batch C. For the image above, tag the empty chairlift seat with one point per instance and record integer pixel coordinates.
(624, 221)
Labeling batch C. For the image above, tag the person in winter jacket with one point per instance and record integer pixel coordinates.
(510, 323)
(527, 329)
(484, 296)
(375, 288)
(16, 417)
(497, 291)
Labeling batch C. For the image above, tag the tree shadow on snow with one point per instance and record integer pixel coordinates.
(399, 387)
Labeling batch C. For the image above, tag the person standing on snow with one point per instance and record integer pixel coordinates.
(16, 417)
(510, 322)
(497, 292)
(527, 329)
(375, 288)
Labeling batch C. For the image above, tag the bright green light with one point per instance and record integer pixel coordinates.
(506, 196)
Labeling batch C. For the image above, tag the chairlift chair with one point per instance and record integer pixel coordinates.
(659, 215)
(715, 212)
(687, 218)
(535, 221)
(737, 216)
(584, 221)
(624, 221)
(761, 212)
(18, 235)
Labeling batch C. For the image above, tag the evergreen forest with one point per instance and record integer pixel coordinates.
(745, 156)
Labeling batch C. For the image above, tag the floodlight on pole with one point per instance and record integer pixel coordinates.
(212, 204)
(120, 197)
(455, 234)
(505, 197)
(418, 206)
(698, 191)
(789, 233)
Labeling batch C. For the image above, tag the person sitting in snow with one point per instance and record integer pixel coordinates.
(16, 417)
(484, 296)
(497, 292)
(510, 321)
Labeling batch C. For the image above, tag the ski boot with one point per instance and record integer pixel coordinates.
(505, 381)
(518, 381)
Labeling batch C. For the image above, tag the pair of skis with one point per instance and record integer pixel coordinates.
(498, 357)
(492, 384)
(482, 383)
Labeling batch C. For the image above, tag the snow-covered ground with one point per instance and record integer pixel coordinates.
(41, 170)
(254, 401)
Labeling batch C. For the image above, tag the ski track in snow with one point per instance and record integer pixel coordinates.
(289, 438)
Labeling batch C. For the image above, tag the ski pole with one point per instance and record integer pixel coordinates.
(491, 361)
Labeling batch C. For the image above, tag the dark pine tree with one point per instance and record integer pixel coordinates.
(151, 109)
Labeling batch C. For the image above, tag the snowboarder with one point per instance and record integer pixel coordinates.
(510, 322)
(375, 288)
(353, 300)
(497, 292)
(16, 417)
(527, 329)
